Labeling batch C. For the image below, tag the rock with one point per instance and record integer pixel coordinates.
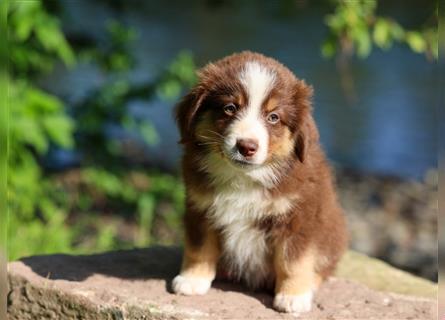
(135, 284)
(381, 276)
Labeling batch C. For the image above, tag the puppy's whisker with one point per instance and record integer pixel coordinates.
(207, 143)
(217, 133)
(209, 138)
(204, 137)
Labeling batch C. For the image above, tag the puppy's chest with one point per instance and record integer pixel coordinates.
(226, 207)
(237, 215)
(246, 247)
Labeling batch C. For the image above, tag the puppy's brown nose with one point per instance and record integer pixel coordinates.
(247, 147)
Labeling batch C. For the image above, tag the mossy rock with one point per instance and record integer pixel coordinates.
(379, 275)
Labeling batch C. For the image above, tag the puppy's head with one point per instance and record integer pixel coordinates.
(248, 109)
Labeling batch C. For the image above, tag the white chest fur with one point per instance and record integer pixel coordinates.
(246, 248)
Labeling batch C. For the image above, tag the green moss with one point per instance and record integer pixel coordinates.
(381, 276)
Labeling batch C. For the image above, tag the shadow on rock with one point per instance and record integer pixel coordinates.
(139, 264)
(152, 263)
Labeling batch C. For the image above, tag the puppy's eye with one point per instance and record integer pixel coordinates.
(230, 109)
(273, 118)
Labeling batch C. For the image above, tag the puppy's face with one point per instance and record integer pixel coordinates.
(247, 108)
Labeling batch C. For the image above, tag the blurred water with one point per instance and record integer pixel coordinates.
(389, 129)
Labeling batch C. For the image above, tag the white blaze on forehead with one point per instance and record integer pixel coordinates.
(257, 81)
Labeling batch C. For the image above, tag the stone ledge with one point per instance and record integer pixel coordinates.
(135, 285)
(379, 275)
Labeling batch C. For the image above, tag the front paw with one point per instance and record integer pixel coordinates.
(293, 303)
(189, 286)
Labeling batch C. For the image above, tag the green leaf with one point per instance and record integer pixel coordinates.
(149, 133)
(335, 22)
(169, 90)
(103, 180)
(328, 48)
(23, 29)
(66, 53)
(381, 34)
(41, 102)
(415, 41)
(397, 31)
(106, 237)
(362, 40)
(30, 133)
(146, 206)
(351, 16)
(54, 41)
(60, 129)
(184, 67)
(48, 208)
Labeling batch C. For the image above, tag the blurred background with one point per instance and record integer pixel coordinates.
(93, 153)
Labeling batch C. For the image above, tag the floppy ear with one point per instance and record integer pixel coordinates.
(186, 111)
(306, 135)
(306, 132)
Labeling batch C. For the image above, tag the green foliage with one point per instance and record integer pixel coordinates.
(37, 120)
(107, 105)
(354, 27)
(138, 193)
(36, 221)
(4, 127)
(180, 73)
(35, 38)
(113, 55)
(125, 190)
(46, 214)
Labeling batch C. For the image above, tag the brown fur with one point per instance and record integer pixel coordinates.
(308, 240)
(201, 259)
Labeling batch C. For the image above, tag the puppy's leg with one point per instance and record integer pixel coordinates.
(296, 281)
(198, 265)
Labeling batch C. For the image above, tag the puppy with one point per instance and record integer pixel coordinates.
(260, 203)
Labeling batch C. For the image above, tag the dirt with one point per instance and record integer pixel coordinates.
(135, 285)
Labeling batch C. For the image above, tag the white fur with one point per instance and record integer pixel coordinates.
(257, 81)
(188, 285)
(294, 303)
(245, 251)
(244, 246)
(238, 203)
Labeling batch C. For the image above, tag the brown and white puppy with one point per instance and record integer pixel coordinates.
(261, 206)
